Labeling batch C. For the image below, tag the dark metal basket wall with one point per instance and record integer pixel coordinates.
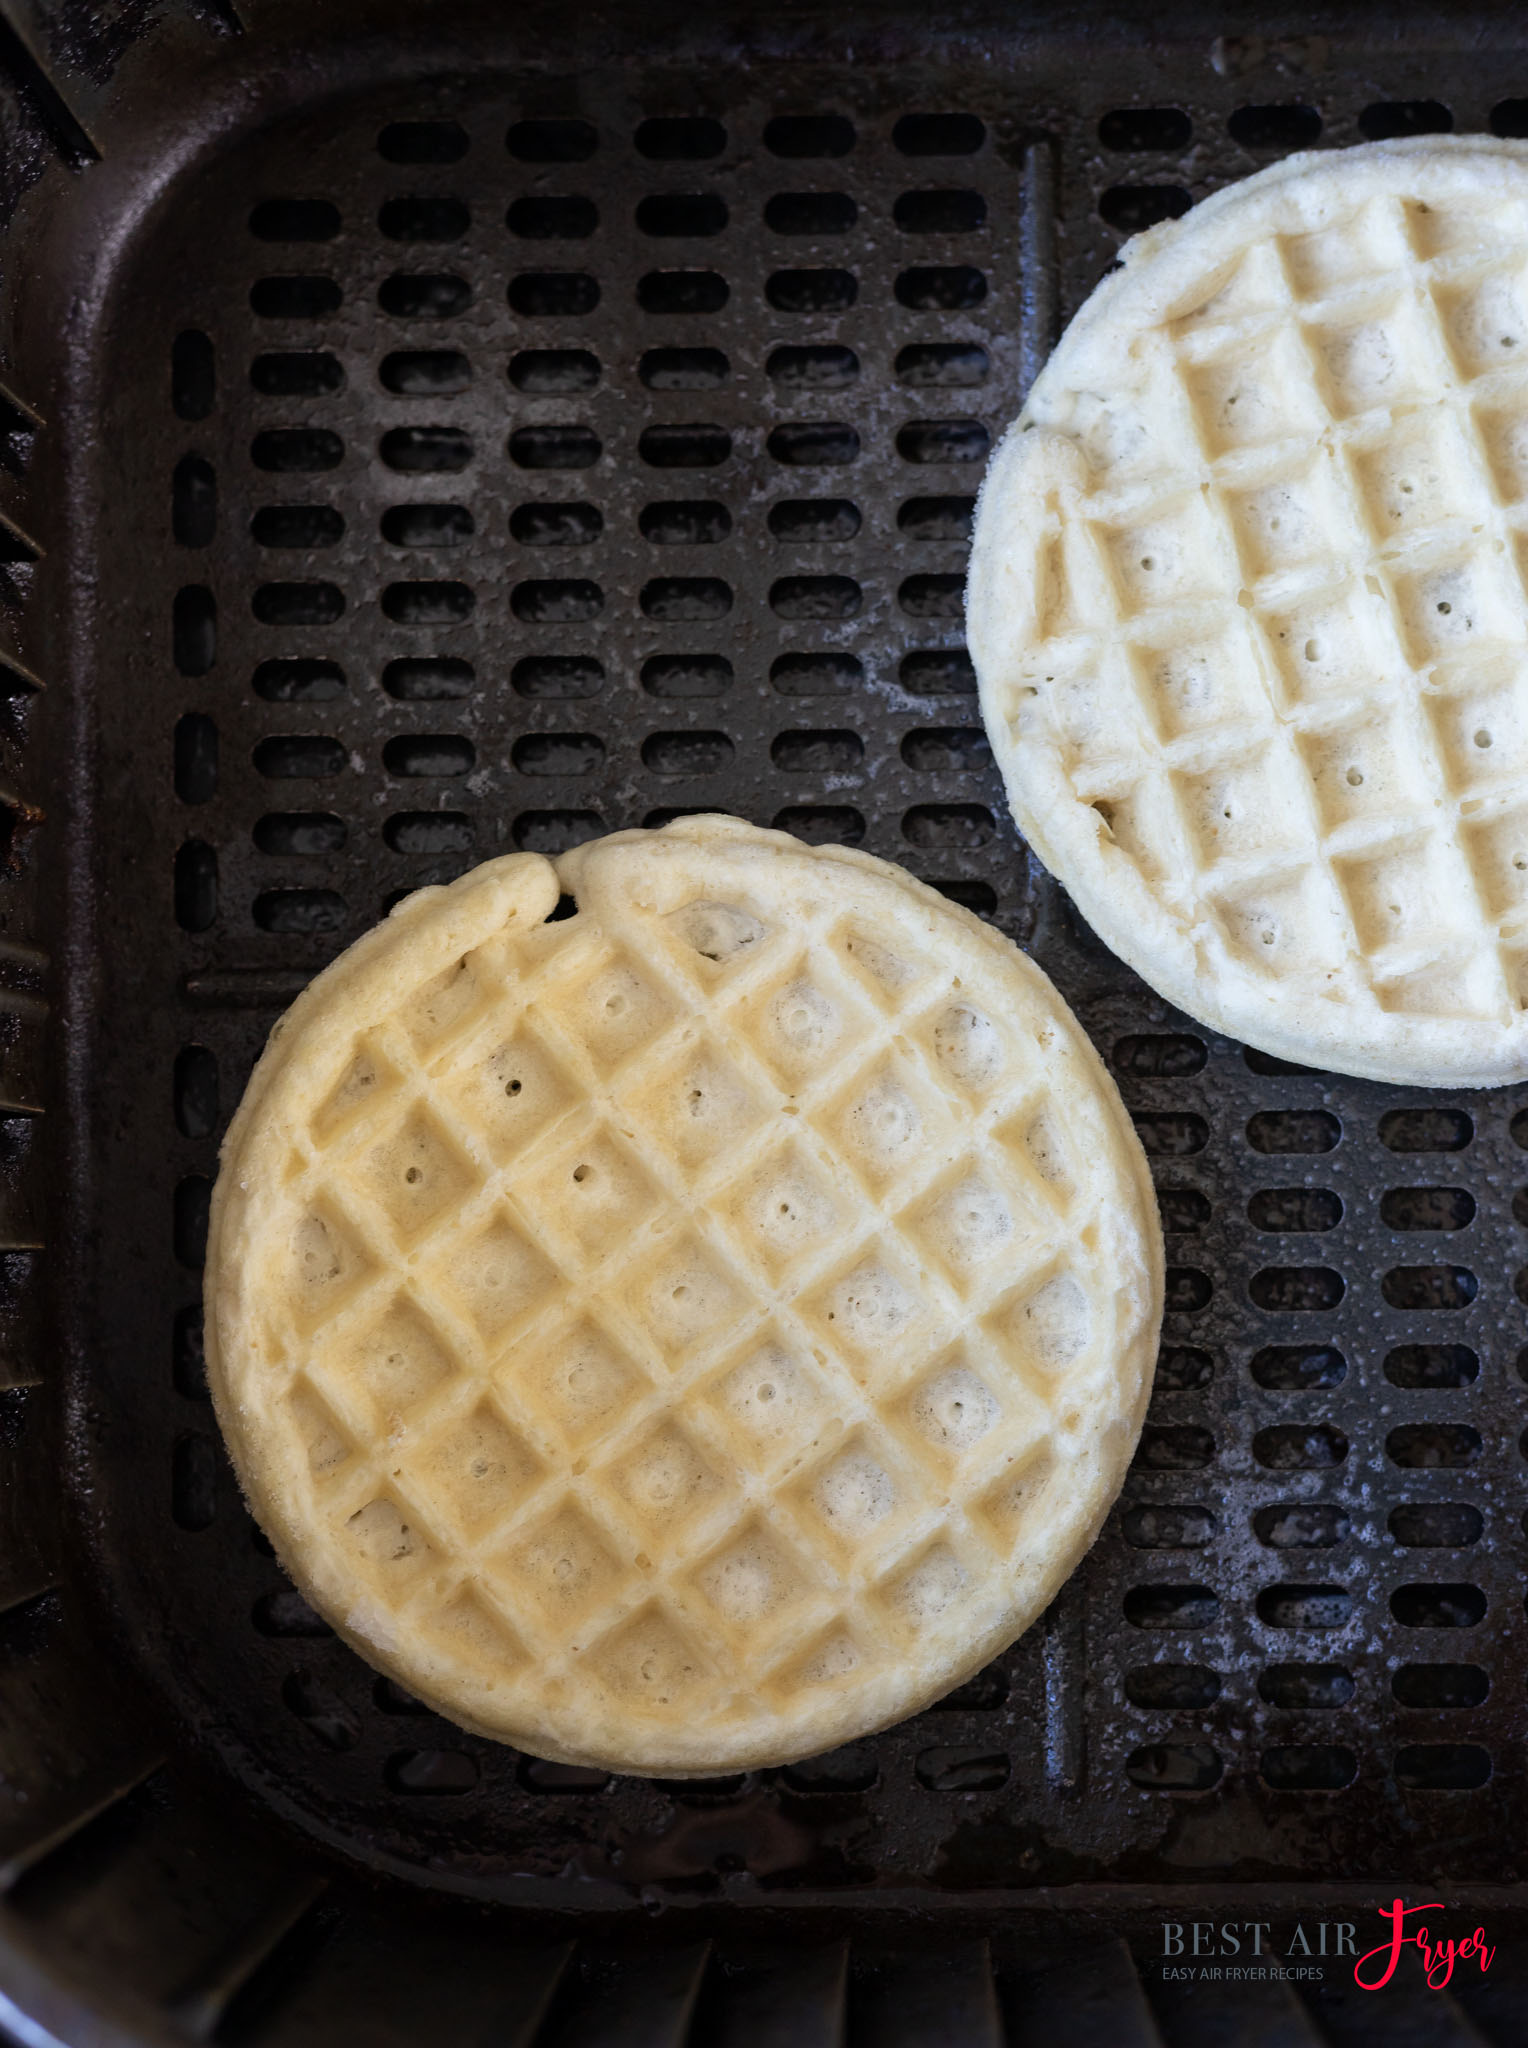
(428, 431)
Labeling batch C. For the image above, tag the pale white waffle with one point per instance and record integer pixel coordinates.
(693, 1332)
(1247, 604)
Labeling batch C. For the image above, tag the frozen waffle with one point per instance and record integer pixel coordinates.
(1247, 606)
(692, 1332)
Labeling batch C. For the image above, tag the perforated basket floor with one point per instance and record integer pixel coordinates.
(492, 460)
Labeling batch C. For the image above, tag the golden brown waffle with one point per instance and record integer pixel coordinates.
(693, 1332)
(1247, 603)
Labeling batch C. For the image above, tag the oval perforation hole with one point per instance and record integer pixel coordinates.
(564, 445)
(193, 1482)
(295, 220)
(1386, 120)
(193, 502)
(942, 288)
(816, 752)
(1295, 1209)
(424, 295)
(442, 603)
(937, 672)
(425, 373)
(1299, 1368)
(297, 373)
(683, 369)
(423, 217)
(939, 134)
(680, 138)
(687, 675)
(428, 679)
(810, 213)
(426, 526)
(546, 371)
(1427, 1208)
(554, 294)
(556, 678)
(555, 831)
(305, 527)
(422, 142)
(429, 753)
(948, 211)
(298, 756)
(1304, 1607)
(294, 298)
(191, 1209)
(1181, 1367)
(1432, 1446)
(822, 824)
(1159, 1055)
(1171, 1606)
(1171, 1133)
(1302, 1525)
(1132, 208)
(1299, 1446)
(1181, 1447)
(1308, 1767)
(297, 451)
(196, 758)
(1448, 1604)
(300, 832)
(1436, 1525)
(1138, 129)
(684, 600)
(1293, 1131)
(674, 214)
(1174, 1767)
(814, 521)
(1429, 1130)
(812, 291)
(552, 141)
(682, 292)
(1431, 1365)
(932, 596)
(442, 1773)
(697, 445)
(193, 375)
(565, 600)
(943, 441)
(300, 913)
(686, 753)
(1442, 1767)
(816, 597)
(558, 753)
(1291, 125)
(936, 519)
(1179, 1688)
(801, 136)
(685, 522)
(196, 1091)
(946, 750)
(1306, 1688)
(429, 832)
(1440, 1685)
(1429, 1287)
(194, 630)
(552, 217)
(548, 525)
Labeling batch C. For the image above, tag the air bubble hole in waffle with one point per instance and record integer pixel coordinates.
(1249, 607)
(693, 1331)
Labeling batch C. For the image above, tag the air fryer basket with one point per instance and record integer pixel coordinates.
(432, 430)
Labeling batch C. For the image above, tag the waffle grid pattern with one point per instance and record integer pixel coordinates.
(1351, 537)
(786, 1185)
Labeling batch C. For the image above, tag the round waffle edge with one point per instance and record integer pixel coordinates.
(1246, 604)
(792, 1428)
